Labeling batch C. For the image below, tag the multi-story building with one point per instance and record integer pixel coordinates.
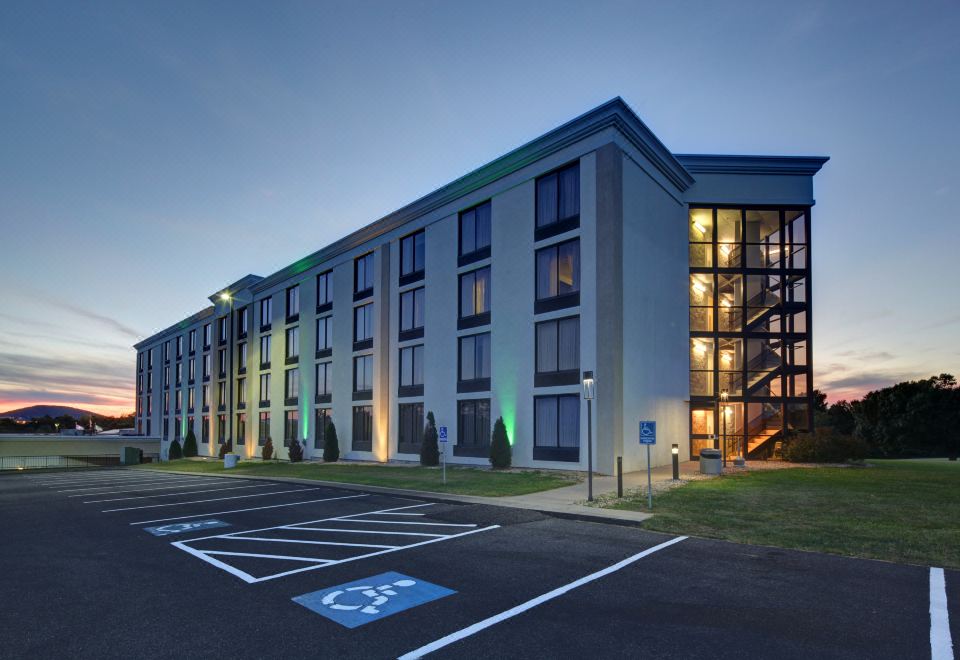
(681, 282)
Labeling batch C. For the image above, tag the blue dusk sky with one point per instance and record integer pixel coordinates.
(153, 152)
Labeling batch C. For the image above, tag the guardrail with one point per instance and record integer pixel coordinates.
(45, 462)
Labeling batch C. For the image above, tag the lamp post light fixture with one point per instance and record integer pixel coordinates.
(724, 396)
(589, 390)
(675, 450)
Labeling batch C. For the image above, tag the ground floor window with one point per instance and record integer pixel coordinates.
(166, 429)
(362, 428)
(411, 428)
(241, 428)
(205, 429)
(321, 419)
(556, 428)
(473, 428)
(264, 431)
(177, 428)
(291, 427)
(221, 428)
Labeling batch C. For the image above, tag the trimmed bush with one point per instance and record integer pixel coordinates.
(296, 451)
(175, 450)
(225, 448)
(331, 445)
(824, 445)
(267, 451)
(500, 453)
(430, 448)
(190, 445)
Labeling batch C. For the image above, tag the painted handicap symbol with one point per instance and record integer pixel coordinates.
(179, 528)
(360, 602)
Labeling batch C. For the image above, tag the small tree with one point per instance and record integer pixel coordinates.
(500, 453)
(331, 445)
(175, 450)
(190, 445)
(267, 452)
(429, 449)
(225, 448)
(296, 451)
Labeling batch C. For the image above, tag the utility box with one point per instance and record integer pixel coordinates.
(129, 456)
(711, 461)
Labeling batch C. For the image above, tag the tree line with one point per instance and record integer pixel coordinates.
(48, 424)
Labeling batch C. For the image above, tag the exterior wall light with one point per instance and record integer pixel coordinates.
(589, 385)
(225, 296)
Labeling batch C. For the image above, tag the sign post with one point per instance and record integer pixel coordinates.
(443, 451)
(648, 437)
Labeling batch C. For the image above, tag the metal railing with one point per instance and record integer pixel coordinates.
(46, 462)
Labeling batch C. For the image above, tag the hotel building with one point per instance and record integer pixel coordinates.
(681, 281)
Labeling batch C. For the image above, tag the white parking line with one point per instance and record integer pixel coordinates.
(214, 499)
(191, 492)
(132, 474)
(360, 531)
(199, 484)
(349, 545)
(255, 508)
(530, 604)
(153, 482)
(941, 644)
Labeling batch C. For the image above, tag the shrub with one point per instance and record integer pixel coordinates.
(225, 448)
(190, 445)
(175, 450)
(825, 445)
(429, 448)
(331, 445)
(296, 451)
(500, 453)
(267, 452)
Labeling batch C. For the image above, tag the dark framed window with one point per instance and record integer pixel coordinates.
(411, 313)
(221, 362)
(362, 376)
(191, 370)
(242, 357)
(363, 276)
(166, 351)
(178, 401)
(263, 428)
(558, 352)
(222, 330)
(265, 343)
(266, 312)
(325, 290)
(558, 201)
(293, 302)
(558, 276)
(363, 327)
(556, 427)
(473, 428)
(362, 431)
(150, 359)
(166, 376)
(241, 392)
(222, 395)
(206, 336)
(205, 429)
(264, 389)
(166, 402)
(321, 418)
(411, 370)
(474, 363)
(324, 376)
(475, 233)
(412, 257)
(205, 396)
(149, 382)
(178, 427)
(243, 321)
(179, 347)
(192, 341)
(241, 428)
(293, 343)
(191, 399)
(221, 429)
(324, 336)
(291, 427)
(410, 432)
(475, 298)
(206, 366)
(139, 361)
(178, 373)
(291, 386)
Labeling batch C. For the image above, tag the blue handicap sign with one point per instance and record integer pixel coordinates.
(443, 434)
(648, 433)
(179, 528)
(355, 603)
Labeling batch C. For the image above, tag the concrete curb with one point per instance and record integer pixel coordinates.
(570, 512)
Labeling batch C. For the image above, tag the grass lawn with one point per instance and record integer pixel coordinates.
(898, 510)
(460, 480)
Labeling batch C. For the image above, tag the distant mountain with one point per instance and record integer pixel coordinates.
(36, 412)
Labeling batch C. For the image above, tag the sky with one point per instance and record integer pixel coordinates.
(153, 152)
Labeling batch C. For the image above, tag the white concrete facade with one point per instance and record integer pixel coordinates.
(632, 307)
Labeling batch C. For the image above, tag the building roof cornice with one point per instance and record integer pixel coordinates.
(180, 326)
(722, 164)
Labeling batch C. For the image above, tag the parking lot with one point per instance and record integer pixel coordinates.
(129, 563)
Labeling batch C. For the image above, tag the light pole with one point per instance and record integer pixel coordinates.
(724, 395)
(589, 387)
(675, 450)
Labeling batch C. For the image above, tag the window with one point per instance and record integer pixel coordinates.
(363, 374)
(474, 363)
(221, 429)
(149, 407)
(192, 370)
(241, 391)
(363, 274)
(325, 289)
(192, 343)
(265, 352)
(242, 356)
(291, 387)
(473, 427)
(411, 370)
(243, 321)
(139, 384)
(293, 343)
(557, 428)
(558, 200)
(166, 376)
(324, 379)
(166, 402)
(222, 330)
(205, 396)
(558, 352)
(362, 428)
(139, 361)
(266, 312)
(410, 434)
(191, 399)
(222, 362)
(206, 336)
(205, 429)
(178, 373)
(475, 231)
(411, 311)
(264, 389)
(293, 302)
(150, 359)
(412, 255)
(363, 323)
(263, 430)
(177, 427)
(221, 394)
(179, 347)
(322, 417)
(291, 427)
(178, 402)
(324, 333)
(149, 382)
(475, 293)
(558, 276)
(241, 428)
(166, 351)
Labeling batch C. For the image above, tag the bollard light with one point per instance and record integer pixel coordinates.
(675, 450)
